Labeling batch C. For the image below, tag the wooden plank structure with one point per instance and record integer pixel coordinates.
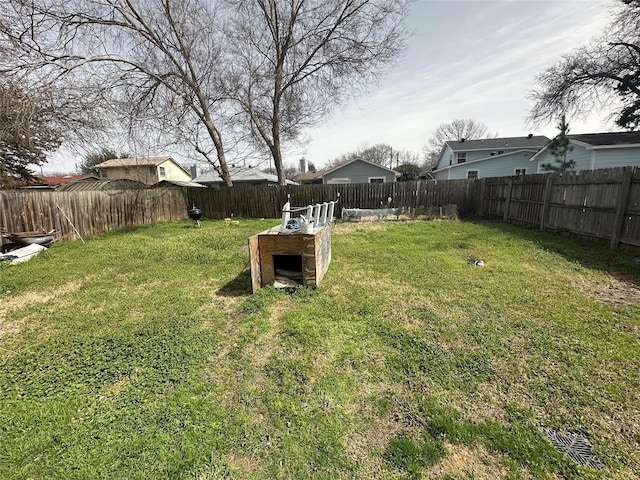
(308, 254)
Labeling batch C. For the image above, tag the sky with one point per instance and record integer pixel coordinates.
(464, 59)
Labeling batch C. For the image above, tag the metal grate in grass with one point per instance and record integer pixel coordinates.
(575, 446)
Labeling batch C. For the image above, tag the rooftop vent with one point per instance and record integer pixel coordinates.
(462, 140)
(530, 135)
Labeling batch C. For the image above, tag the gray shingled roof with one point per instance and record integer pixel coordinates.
(536, 141)
(240, 174)
(603, 139)
(89, 184)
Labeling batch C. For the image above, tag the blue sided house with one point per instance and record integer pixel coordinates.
(489, 157)
(591, 151)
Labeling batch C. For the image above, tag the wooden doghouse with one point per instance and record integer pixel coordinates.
(307, 255)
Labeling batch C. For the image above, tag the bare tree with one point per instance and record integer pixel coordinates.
(456, 130)
(380, 153)
(602, 73)
(154, 60)
(294, 61)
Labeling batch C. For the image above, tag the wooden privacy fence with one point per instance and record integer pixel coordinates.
(267, 202)
(88, 212)
(602, 204)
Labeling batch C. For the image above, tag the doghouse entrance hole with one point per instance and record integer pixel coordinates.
(289, 266)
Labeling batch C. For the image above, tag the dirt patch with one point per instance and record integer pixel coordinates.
(467, 462)
(29, 299)
(613, 291)
(246, 465)
(350, 227)
(366, 447)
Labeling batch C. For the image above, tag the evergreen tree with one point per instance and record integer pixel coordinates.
(560, 147)
(92, 159)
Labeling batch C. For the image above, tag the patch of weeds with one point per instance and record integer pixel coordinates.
(299, 329)
(290, 375)
(411, 456)
(260, 301)
(418, 356)
(154, 360)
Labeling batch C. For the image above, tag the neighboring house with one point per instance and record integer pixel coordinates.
(94, 183)
(596, 150)
(240, 176)
(148, 170)
(53, 182)
(355, 171)
(489, 157)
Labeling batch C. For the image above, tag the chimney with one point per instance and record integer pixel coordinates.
(303, 165)
(194, 171)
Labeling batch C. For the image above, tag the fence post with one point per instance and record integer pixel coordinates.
(546, 200)
(480, 210)
(505, 217)
(621, 206)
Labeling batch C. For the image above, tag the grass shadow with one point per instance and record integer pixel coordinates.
(239, 286)
(591, 253)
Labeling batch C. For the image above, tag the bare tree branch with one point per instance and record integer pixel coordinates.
(296, 60)
(604, 72)
(148, 52)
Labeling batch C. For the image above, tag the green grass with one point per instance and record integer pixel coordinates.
(142, 354)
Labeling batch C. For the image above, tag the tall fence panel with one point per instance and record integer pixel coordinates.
(87, 212)
(601, 204)
(267, 201)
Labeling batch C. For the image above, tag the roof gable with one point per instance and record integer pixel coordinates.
(140, 162)
(502, 156)
(600, 141)
(342, 165)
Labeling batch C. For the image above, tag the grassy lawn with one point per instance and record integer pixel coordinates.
(142, 355)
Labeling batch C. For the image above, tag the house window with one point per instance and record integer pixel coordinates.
(520, 171)
(126, 171)
(152, 170)
(376, 179)
(472, 174)
(103, 173)
(462, 157)
(162, 171)
(338, 180)
(450, 158)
